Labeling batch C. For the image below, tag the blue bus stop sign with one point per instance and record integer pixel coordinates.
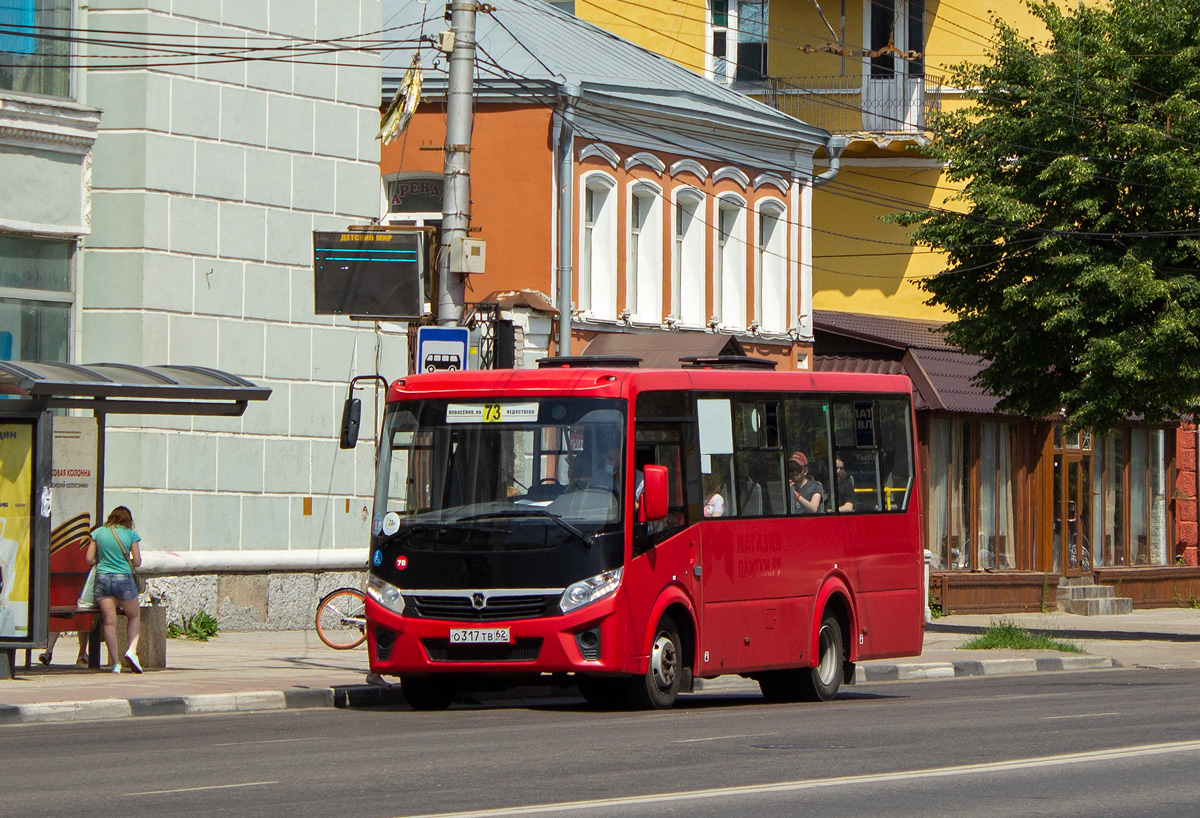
(442, 349)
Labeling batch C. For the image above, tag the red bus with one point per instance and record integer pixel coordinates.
(632, 530)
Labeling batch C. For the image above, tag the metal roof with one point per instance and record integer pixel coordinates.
(125, 389)
(528, 50)
(943, 376)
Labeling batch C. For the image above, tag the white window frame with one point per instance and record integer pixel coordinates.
(726, 71)
(771, 267)
(597, 290)
(729, 262)
(644, 253)
(688, 251)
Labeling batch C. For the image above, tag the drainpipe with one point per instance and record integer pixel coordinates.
(834, 148)
(565, 125)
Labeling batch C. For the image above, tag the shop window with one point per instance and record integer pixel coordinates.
(31, 63)
(645, 275)
(598, 254)
(772, 268)
(1128, 513)
(995, 544)
(949, 501)
(688, 274)
(35, 299)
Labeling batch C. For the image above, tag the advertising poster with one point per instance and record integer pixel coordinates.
(72, 506)
(16, 525)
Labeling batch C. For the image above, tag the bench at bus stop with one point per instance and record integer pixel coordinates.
(68, 573)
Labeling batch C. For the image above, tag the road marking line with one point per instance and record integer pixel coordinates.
(721, 738)
(264, 741)
(817, 783)
(1078, 716)
(212, 787)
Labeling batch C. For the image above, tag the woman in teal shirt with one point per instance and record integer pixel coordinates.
(115, 553)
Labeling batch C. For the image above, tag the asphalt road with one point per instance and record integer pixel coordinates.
(1098, 743)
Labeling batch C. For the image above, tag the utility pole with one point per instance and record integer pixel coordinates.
(456, 187)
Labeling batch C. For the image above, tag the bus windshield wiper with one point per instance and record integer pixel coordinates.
(530, 512)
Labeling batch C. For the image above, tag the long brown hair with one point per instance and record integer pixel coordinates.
(120, 516)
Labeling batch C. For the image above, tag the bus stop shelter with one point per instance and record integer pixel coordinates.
(32, 394)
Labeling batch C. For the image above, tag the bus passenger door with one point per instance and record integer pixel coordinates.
(661, 550)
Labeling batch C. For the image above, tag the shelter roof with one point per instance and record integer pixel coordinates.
(126, 389)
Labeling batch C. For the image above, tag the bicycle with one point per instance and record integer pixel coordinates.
(342, 618)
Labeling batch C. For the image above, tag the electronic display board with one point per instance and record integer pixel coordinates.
(369, 274)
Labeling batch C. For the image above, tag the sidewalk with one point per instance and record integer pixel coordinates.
(287, 669)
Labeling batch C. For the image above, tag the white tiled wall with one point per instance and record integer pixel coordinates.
(208, 181)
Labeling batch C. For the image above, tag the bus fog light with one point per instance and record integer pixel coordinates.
(590, 590)
(385, 594)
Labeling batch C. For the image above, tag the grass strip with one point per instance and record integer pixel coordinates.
(1004, 634)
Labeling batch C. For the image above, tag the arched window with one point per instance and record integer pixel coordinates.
(771, 309)
(687, 259)
(644, 268)
(729, 263)
(598, 247)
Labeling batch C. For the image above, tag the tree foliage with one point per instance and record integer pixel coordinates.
(1074, 246)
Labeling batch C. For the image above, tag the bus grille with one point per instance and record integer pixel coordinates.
(525, 650)
(459, 608)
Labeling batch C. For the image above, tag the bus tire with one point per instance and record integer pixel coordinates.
(658, 687)
(427, 692)
(810, 684)
(822, 682)
(602, 691)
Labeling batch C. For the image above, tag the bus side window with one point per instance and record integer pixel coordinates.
(896, 463)
(661, 445)
(806, 431)
(859, 448)
(758, 459)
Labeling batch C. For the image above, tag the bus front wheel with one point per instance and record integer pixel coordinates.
(658, 688)
(427, 692)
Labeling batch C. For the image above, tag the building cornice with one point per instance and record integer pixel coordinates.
(42, 123)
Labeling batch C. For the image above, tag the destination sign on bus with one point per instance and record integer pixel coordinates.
(492, 413)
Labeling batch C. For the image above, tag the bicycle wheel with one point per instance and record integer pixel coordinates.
(342, 619)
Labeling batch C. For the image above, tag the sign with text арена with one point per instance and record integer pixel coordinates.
(370, 275)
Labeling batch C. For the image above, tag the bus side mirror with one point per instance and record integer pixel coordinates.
(351, 415)
(654, 493)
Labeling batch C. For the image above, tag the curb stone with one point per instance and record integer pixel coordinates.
(354, 696)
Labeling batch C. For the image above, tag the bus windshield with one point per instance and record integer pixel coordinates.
(461, 475)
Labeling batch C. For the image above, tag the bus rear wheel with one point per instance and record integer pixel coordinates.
(427, 692)
(813, 684)
(658, 687)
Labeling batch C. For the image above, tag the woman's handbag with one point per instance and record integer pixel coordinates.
(87, 597)
(138, 579)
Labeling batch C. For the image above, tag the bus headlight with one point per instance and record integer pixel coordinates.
(385, 594)
(590, 590)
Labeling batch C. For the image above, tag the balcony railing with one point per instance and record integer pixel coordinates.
(898, 104)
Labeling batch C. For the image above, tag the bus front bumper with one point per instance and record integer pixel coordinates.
(588, 640)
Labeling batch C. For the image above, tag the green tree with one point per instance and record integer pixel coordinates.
(1074, 246)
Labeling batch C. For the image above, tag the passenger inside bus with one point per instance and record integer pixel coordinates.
(844, 488)
(807, 495)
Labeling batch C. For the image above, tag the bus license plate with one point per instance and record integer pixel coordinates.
(479, 636)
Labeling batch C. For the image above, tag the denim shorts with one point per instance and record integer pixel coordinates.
(121, 586)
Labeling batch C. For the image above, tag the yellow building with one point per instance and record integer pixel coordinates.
(1011, 504)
